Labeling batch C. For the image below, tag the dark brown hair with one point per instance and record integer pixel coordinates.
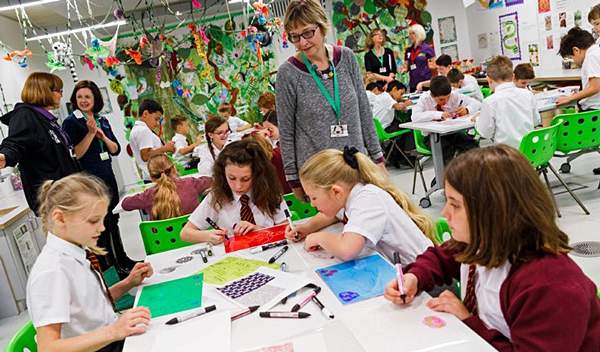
(510, 212)
(98, 101)
(38, 89)
(267, 101)
(575, 38)
(209, 127)
(454, 76)
(176, 121)
(266, 190)
(594, 13)
(524, 71)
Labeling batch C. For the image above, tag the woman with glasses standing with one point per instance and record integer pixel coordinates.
(321, 100)
(35, 140)
(380, 62)
(417, 57)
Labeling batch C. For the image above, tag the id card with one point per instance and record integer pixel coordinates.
(339, 131)
(104, 156)
(382, 70)
(413, 67)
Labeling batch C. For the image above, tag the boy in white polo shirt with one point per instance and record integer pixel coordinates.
(145, 143)
(464, 84)
(508, 114)
(183, 150)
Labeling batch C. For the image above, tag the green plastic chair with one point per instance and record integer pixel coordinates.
(182, 171)
(486, 92)
(299, 209)
(578, 134)
(24, 340)
(539, 146)
(163, 235)
(421, 151)
(442, 230)
(384, 136)
(111, 277)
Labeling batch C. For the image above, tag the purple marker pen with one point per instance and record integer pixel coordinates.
(399, 276)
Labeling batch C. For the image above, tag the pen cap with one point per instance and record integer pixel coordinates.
(210, 308)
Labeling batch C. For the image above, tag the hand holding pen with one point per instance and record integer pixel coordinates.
(392, 291)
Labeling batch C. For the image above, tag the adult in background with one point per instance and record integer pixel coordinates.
(417, 57)
(380, 62)
(95, 144)
(312, 113)
(35, 140)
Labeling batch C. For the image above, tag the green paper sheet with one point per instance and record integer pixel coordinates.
(172, 296)
(232, 268)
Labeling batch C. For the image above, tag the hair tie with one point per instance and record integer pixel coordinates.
(350, 156)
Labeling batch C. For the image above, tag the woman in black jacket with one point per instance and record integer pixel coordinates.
(380, 62)
(35, 140)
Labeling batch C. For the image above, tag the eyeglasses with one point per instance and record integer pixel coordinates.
(307, 34)
(221, 133)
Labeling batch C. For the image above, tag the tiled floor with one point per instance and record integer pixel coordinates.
(574, 222)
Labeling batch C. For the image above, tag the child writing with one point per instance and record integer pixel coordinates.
(523, 75)
(520, 289)
(217, 134)
(183, 150)
(347, 186)
(464, 84)
(172, 196)
(235, 123)
(245, 195)
(69, 303)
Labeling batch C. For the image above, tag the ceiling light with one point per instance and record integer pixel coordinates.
(78, 30)
(28, 4)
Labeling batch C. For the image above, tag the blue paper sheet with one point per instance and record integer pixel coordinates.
(358, 279)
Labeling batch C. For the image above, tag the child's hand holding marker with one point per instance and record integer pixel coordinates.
(295, 233)
(392, 292)
(244, 227)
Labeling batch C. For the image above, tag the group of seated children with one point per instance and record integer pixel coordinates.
(184, 149)
(466, 84)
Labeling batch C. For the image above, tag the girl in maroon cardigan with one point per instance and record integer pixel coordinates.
(172, 196)
(520, 289)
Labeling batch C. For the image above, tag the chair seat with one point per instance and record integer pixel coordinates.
(390, 135)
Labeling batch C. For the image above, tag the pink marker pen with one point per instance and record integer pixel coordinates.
(399, 276)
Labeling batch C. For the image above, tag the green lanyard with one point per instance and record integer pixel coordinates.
(99, 140)
(335, 101)
(380, 58)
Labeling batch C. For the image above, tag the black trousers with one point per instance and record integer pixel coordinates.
(454, 144)
(405, 142)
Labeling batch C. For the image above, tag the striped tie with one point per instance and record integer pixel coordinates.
(470, 300)
(95, 266)
(245, 211)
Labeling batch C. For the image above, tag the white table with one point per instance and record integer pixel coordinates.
(437, 129)
(377, 324)
(546, 101)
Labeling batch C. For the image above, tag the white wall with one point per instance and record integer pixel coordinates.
(445, 8)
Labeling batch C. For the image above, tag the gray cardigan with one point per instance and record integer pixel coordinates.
(305, 116)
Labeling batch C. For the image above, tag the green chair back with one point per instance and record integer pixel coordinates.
(111, 277)
(486, 92)
(24, 340)
(382, 135)
(539, 145)
(182, 171)
(577, 131)
(420, 145)
(163, 235)
(442, 230)
(298, 208)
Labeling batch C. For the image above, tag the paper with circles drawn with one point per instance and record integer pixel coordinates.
(358, 279)
(255, 238)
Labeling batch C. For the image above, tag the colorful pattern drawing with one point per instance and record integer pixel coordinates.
(358, 279)
(172, 296)
(252, 290)
(255, 238)
(509, 35)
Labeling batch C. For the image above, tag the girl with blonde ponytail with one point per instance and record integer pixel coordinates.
(347, 186)
(172, 196)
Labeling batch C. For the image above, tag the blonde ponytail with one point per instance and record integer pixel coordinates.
(166, 203)
(329, 166)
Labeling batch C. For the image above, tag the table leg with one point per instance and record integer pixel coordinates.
(438, 167)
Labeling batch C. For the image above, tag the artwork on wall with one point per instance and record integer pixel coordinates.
(447, 30)
(534, 55)
(577, 18)
(451, 50)
(543, 6)
(513, 2)
(509, 35)
(482, 41)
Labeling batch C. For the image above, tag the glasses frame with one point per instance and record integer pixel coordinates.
(306, 34)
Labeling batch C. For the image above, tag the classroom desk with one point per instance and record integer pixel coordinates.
(436, 130)
(376, 324)
(550, 75)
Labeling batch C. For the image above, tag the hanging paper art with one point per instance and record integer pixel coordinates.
(509, 35)
(543, 6)
(534, 55)
(22, 55)
(447, 28)
(513, 2)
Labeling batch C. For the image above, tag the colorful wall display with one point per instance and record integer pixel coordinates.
(509, 35)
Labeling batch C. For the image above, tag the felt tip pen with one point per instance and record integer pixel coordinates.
(212, 223)
(209, 249)
(203, 255)
(399, 276)
(288, 216)
(191, 315)
(313, 286)
(244, 312)
(291, 315)
(302, 303)
(278, 254)
(324, 310)
(268, 246)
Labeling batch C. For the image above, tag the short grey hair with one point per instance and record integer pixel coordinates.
(419, 32)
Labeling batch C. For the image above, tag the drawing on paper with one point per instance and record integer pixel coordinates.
(509, 35)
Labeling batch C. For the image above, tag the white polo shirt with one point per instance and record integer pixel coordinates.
(375, 215)
(207, 161)
(471, 88)
(508, 114)
(383, 108)
(181, 142)
(590, 69)
(426, 108)
(235, 123)
(142, 137)
(62, 289)
(229, 214)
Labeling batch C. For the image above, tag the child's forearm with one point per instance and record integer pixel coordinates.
(120, 288)
(92, 341)
(318, 222)
(195, 235)
(345, 246)
(588, 91)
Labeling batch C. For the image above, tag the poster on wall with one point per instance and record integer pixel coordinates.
(482, 41)
(548, 23)
(549, 42)
(509, 35)
(577, 18)
(447, 28)
(451, 50)
(534, 55)
(496, 4)
(513, 2)
(543, 6)
(562, 19)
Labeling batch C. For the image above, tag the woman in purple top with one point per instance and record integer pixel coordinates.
(417, 57)
(172, 196)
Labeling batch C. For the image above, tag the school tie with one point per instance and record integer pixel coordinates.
(96, 270)
(245, 211)
(345, 219)
(470, 300)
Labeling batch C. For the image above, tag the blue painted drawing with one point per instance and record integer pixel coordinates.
(358, 279)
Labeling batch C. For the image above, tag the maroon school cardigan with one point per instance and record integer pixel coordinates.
(548, 303)
(188, 188)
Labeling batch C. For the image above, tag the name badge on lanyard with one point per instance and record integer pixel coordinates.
(104, 156)
(383, 69)
(339, 131)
